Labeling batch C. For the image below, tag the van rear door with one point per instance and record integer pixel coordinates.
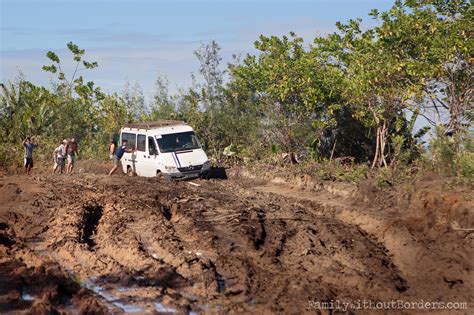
(129, 159)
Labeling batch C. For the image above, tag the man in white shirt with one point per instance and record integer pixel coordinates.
(59, 155)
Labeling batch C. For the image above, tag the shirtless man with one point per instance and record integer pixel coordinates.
(71, 151)
(112, 148)
(119, 152)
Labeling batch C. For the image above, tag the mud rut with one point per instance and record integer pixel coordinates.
(147, 246)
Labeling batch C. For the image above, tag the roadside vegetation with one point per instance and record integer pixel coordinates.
(343, 105)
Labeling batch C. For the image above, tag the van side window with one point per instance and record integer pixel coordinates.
(131, 138)
(141, 143)
(152, 146)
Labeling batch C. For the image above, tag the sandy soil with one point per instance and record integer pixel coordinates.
(254, 243)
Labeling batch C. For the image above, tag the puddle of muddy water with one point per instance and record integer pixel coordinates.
(26, 297)
(129, 308)
(164, 309)
(70, 308)
(115, 301)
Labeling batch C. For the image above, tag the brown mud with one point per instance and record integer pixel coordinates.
(255, 243)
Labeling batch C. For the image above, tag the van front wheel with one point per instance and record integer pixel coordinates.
(159, 174)
(129, 171)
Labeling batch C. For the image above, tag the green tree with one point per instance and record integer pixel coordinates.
(77, 103)
(209, 62)
(67, 85)
(297, 91)
(378, 87)
(201, 105)
(434, 41)
(163, 106)
(134, 100)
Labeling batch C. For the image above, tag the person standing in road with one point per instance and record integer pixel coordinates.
(28, 156)
(71, 151)
(59, 155)
(118, 155)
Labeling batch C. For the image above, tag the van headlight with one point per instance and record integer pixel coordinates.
(206, 165)
(171, 169)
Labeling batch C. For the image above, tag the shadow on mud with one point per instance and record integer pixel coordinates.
(218, 172)
(165, 277)
(91, 215)
(42, 290)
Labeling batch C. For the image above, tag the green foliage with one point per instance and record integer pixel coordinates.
(453, 155)
(73, 84)
(433, 43)
(384, 178)
(230, 150)
(286, 87)
(465, 166)
(134, 102)
(52, 56)
(209, 60)
(164, 106)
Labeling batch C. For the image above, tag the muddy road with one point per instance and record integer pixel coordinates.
(89, 243)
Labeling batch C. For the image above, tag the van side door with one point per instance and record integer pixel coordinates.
(151, 158)
(140, 157)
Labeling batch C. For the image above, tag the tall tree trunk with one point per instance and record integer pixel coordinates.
(381, 140)
(377, 144)
(333, 149)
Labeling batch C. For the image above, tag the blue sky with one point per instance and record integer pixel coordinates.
(134, 41)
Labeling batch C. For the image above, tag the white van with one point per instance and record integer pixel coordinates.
(163, 148)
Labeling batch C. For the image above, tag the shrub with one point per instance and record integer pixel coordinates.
(452, 155)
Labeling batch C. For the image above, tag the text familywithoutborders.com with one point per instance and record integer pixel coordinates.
(385, 305)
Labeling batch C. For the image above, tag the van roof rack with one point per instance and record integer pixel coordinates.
(154, 124)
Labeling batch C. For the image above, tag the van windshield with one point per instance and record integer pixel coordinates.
(178, 142)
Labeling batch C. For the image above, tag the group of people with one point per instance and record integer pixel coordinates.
(66, 151)
(65, 154)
